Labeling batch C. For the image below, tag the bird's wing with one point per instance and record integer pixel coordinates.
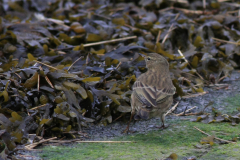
(151, 96)
(145, 94)
(164, 91)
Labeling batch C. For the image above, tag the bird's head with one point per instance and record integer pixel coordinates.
(155, 61)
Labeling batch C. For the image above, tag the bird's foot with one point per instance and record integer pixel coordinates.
(127, 131)
(163, 126)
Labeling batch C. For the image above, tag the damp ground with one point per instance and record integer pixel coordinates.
(151, 143)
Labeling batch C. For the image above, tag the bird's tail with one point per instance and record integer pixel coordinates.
(142, 113)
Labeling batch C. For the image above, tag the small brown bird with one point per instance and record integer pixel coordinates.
(153, 90)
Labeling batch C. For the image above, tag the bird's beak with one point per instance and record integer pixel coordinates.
(144, 56)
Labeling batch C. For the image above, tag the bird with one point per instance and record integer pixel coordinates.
(153, 90)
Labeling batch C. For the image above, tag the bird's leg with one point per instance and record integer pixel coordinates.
(163, 126)
(127, 128)
(163, 118)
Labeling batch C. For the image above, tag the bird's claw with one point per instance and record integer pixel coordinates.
(163, 126)
(127, 131)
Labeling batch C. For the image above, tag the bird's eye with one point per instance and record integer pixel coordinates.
(148, 59)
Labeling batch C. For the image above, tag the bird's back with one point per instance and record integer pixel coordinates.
(152, 94)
